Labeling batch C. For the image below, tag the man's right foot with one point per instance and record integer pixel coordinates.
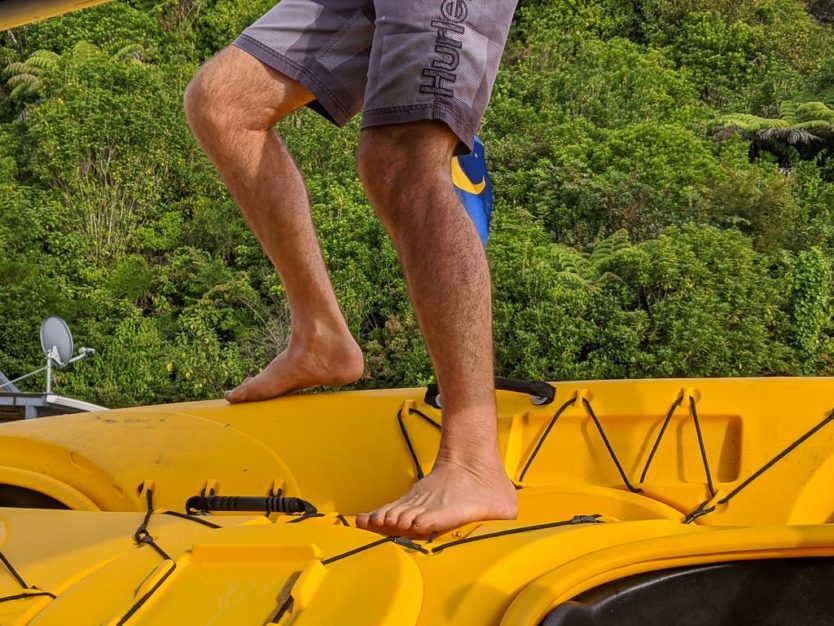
(330, 361)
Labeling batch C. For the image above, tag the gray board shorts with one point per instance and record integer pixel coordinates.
(400, 61)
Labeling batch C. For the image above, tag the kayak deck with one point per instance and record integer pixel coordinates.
(609, 477)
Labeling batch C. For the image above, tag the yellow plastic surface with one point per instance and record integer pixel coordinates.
(345, 453)
(15, 13)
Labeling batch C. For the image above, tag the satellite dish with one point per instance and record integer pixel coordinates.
(56, 334)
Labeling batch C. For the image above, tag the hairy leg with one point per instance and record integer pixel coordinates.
(232, 105)
(405, 169)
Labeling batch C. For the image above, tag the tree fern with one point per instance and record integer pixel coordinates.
(25, 79)
(807, 125)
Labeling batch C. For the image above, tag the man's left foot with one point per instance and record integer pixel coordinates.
(450, 496)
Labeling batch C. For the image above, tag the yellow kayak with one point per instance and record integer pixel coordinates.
(641, 502)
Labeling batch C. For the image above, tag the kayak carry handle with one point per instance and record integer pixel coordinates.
(271, 504)
(540, 393)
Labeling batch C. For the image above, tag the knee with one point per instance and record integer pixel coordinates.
(382, 167)
(225, 95)
(397, 162)
(208, 106)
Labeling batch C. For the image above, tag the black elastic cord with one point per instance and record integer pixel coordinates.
(702, 509)
(286, 593)
(34, 594)
(284, 608)
(343, 520)
(544, 436)
(139, 603)
(662, 432)
(426, 418)
(367, 546)
(142, 530)
(192, 518)
(13, 572)
(418, 469)
(693, 411)
(16, 575)
(695, 419)
(610, 448)
(576, 519)
(400, 541)
(143, 538)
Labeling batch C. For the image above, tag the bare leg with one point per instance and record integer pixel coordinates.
(405, 169)
(232, 105)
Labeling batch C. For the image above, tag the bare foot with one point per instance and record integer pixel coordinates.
(333, 361)
(450, 496)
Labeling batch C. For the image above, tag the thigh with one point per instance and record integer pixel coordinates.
(322, 44)
(237, 84)
(435, 59)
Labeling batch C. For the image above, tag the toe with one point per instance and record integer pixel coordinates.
(238, 394)
(431, 521)
(390, 522)
(375, 520)
(405, 521)
(423, 524)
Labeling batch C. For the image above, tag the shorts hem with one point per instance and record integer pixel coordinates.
(418, 112)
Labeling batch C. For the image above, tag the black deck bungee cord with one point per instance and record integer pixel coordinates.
(33, 591)
(590, 409)
(418, 469)
(678, 401)
(693, 411)
(610, 448)
(544, 436)
(192, 518)
(703, 449)
(142, 537)
(34, 594)
(13, 571)
(282, 610)
(705, 509)
(576, 519)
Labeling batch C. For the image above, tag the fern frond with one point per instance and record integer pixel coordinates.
(31, 82)
(793, 136)
(609, 246)
(13, 69)
(43, 59)
(85, 51)
(751, 123)
(131, 52)
(808, 111)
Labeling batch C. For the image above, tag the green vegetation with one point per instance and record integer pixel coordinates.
(664, 201)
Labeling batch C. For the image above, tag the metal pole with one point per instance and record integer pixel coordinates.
(11, 382)
(49, 371)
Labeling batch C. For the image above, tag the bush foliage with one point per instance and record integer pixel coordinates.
(655, 216)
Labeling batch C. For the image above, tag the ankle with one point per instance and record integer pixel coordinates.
(312, 333)
(479, 461)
